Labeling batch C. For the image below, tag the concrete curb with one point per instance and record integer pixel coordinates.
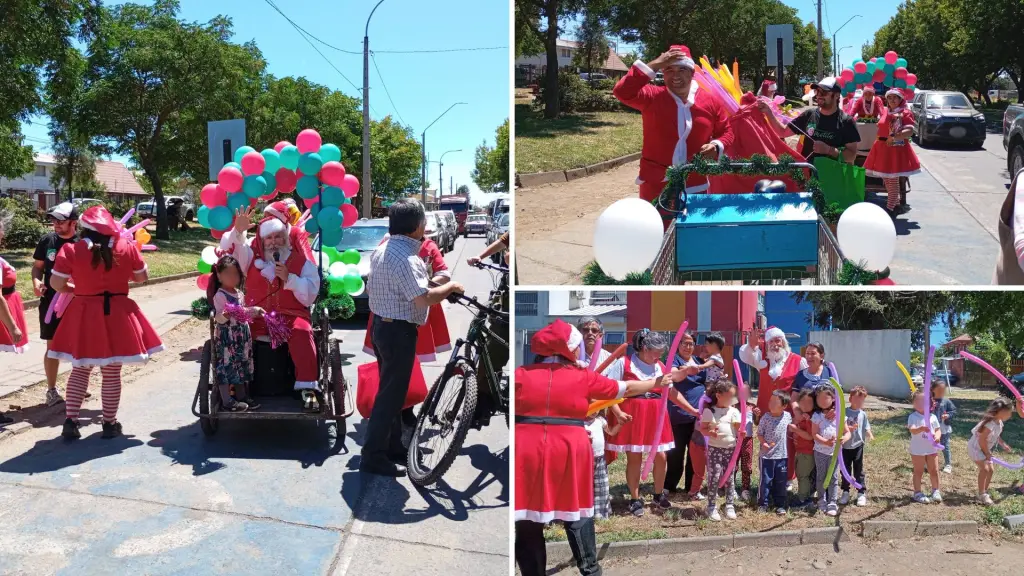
(558, 176)
(32, 304)
(14, 429)
(886, 529)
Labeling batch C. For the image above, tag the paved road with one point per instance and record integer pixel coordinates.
(272, 497)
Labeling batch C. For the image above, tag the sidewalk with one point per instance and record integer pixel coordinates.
(165, 305)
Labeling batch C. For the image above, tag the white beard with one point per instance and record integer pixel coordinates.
(777, 361)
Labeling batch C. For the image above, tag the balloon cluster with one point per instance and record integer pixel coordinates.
(309, 167)
(889, 70)
(343, 274)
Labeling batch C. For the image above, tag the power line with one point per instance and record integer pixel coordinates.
(303, 34)
(827, 21)
(382, 83)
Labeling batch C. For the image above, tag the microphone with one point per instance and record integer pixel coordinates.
(277, 256)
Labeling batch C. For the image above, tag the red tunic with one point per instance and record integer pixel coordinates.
(637, 435)
(861, 110)
(767, 385)
(674, 130)
(8, 277)
(888, 158)
(555, 463)
(281, 301)
(102, 325)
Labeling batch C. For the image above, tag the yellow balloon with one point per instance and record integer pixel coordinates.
(910, 380)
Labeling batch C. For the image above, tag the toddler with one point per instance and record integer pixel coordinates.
(922, 451)
(771, 433)
(714, 366)
(234, 367)
(984, 437)
(853, 449)
(945, 411)
(824, 431)
(745, 469)
(803, 444)
(597, 426)
(719, 423)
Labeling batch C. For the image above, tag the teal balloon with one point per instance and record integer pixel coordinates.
(233, 165)
(254, 186)
(332, 196)
(204, 216)
(871, 68)
(242, 152)
(889, 68)
(901, 62)
(271, 181)
(911, 86)
(330, 218)
(290, 157)
(310, 163)
(900, 83)
(353, 283)
(272, 159)
(236, 201)
(331, 237)
(330, 153)
(221, 217)
(311, 226)
(314, 211)
(350, 256)
(308, 187)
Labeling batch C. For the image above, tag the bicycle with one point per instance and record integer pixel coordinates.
(450, 408)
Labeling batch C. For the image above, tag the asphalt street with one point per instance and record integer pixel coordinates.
(260, 497)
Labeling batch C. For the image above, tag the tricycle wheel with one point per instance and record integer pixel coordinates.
(337, 384)
(209, 425)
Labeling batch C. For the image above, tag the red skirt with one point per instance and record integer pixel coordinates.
(7, 343)
(433, 337)
(886, 161)
(88, 337)
(554, 473)
(636, 435)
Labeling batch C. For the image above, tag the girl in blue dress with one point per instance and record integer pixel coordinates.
(232, 338)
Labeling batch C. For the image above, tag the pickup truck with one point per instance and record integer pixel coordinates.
(1013, 138)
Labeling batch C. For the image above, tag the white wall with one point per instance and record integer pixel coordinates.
(868, 358)
(30, 181)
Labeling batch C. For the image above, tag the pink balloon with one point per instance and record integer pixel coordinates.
(230, 179)
(911, 79)
(860, 67)
(269, 197)
(841, 81)
(901, 72)
(286, 180)
(891, 57)
(253, 164)
(848, 75)
(308, 141)
(333, 174)
(203, 281)
(879, 75)
(213, 196)
(874, 59)
(350, 184)
(350, 215)
(280, 145)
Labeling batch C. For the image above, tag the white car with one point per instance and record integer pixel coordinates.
(147, 209)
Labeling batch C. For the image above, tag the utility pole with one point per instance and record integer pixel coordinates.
(821, 63)
(367, 174)
(423, 151)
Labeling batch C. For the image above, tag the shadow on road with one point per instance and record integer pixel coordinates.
(56, 453)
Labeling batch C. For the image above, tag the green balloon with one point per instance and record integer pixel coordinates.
(310, 164)
(242, 152)
(308, 187)
(290, 157)
(203, 267)
(204, 216)
(350, 256)
(336, 285)
(254, 186)
(330, 153)
(332, 196)
(331, 253)
(353, 283)
(272, 159)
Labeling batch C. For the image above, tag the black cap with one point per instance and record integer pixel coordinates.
(62, 212)
(828, 84)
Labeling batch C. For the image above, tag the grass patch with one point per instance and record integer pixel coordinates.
(175, 256)
(573, 141)
(556, 533)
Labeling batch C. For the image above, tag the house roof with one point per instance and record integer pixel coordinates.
(598, 310)
(118, 178)
(612, 62)
(961, 340)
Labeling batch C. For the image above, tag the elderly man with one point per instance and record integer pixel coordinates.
(826, 130)
(400, 297)
(680, 121)
(280, 277)
(778, 365)
(591, 329)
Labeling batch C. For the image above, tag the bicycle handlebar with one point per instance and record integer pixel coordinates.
(484, 265)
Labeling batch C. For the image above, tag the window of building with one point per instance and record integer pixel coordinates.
(40, 170)
(527, 304)
(566, 53)
(606, 297)
(613, 338)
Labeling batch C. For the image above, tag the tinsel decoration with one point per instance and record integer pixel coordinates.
(201, 309)
(277, 329)
(853, 275)
(240, 314)
(594, 276)
(867, 120)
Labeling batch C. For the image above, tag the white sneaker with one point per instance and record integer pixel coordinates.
(920, 498)
(53, 397)
(714, 516)
(937, 497)
(862, 499)
(948, 469)
(730, 512)
(699, 496)
(985, 499)
(745, 495)
(845, 498)
(792, 487)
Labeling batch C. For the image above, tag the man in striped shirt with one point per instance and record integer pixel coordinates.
(400, 297)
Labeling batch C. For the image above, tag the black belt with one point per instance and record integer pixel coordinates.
(651, 395)
(106, 299)
(551, 420)
(7, 291)
(882, 138)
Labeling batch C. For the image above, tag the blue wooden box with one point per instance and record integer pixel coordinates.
(747, 231)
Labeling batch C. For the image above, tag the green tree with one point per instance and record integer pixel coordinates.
(540, 18)
(491, 173)
(462, 189)
(396, 157)
(594, 45)
(907, 310)
(68, 129)
(179, 74)
(528, 43)
(995, 313)
(15, 156)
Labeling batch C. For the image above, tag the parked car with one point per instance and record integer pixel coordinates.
(82, 203)
(943, 375)
(594, 76)
(436, 230)
(1013, 138)
(500, 227)
(364, 236)
(477, 224)
(147, 209)
(947, 117)
(452, 223)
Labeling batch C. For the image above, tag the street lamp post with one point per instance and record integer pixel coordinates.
(840, 52)
(835, 56)
(367, 180)
(440, 174)
(423, 152)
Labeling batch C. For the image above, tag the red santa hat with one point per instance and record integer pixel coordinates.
(769, 85)
(557, 339)
(100, 221)
(686, 60)
(284, 210)
(772, 333)
(867, 88)
(896, 92)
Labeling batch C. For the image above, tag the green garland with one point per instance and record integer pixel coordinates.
(594, 276)
(853, 275)
(201, 308)
(867, 120)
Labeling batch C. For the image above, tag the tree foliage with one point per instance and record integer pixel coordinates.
(914, 311)
(491, 173)
(396, 155)
(594, 45)
(462, 189)
(539, 21)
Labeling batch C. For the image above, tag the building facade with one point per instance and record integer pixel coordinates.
(537, 309)
(119, 181)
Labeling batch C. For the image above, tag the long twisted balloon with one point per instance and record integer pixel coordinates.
(1009, 385)
(928, 399)
(841, 419)
(660, 421)
(910, 381)
(742, 390)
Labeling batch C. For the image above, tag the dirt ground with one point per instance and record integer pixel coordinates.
(949, 556)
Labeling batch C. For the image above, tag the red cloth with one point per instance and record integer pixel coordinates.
(674, 130)
(752, 135)
(803, 446)
(636, 435)
(860, 109)
(8, 278)
(888, 159)
(369, 382)
(767, 385)
(89, 337)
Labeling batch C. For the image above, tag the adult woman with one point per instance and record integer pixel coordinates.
(101, 326)
(684, 418)
(868, 105)
(554, 459)
(816, 372)
(891, 156)
(768, 88)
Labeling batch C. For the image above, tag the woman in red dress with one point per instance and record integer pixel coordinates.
(13, 331)
(868, 105)
(101, 326)
(891, 156)
(554, 459)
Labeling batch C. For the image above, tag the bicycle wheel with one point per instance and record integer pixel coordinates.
(442, 424)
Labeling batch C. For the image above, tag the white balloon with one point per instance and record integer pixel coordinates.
(209, 255)
(360, 291)
(316, 257)
(352, 269)
(627, 237)
(867, 236)
(337, 269)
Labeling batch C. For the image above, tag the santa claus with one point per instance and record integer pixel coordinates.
(280, 276)
(679, 120)
(778, 365)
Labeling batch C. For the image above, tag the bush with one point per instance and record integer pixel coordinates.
(576, 95)
(603, 85)
(26, 227)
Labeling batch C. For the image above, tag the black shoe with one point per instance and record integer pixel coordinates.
(111, 430)
(383, 468)
(4, 419)
(71, 431)
(252, 403)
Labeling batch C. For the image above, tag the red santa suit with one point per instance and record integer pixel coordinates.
(768, 89)
(889, 158)
(674, 129)
(8, 278)
(291, 299)
(636, 435)
(868, 106)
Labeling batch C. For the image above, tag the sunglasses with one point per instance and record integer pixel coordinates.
(591, 330)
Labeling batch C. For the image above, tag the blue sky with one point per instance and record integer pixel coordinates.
(421, 86)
